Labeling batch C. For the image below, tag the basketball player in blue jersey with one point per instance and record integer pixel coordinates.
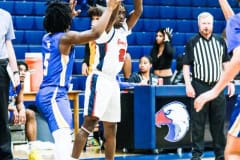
(58, 56)
(232, 149)
(102, 94)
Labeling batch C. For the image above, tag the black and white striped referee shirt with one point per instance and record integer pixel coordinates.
(206, 57)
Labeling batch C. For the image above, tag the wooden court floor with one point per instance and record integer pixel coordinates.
(162, 156)
(21, 153)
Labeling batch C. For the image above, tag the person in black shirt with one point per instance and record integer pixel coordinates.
(162, 55)
(207, 56)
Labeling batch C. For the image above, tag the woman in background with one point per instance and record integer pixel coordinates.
(162, 55)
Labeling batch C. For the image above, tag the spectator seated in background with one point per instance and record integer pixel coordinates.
(18, 113)
(144, 76)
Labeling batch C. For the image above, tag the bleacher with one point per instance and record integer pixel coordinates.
(181, 15)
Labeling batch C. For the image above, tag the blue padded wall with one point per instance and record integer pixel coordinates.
(181, 16)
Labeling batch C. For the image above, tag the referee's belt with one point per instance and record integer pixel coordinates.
(4, 61)
(205, 83)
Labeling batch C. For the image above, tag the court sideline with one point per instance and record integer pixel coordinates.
(21, 153)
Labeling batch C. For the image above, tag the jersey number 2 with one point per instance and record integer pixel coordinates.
(121, 55)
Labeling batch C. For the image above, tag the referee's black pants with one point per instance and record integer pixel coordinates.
(215, 110)
(5, 137)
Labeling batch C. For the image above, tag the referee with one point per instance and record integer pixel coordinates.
(206, 57)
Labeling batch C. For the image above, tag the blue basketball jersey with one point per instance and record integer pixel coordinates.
(233, 41)
(233, 32)
(57, 68)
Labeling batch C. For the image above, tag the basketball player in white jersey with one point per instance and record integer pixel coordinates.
(58, 56)
(102, 94)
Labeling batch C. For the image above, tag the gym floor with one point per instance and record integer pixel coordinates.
(21, 153)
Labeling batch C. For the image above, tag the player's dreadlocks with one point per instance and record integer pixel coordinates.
(58, 17)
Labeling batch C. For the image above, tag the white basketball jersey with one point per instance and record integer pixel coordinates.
(111, 51)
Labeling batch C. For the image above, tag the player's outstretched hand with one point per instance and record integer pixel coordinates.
(202, 99)
(113, 3)
(72, 5)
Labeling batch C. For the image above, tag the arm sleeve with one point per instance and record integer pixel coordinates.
(86, 54)
(169, 49)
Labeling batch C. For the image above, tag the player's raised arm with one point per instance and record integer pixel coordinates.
(135, 14)
(72, 5)
(226, 8)
(73, 37)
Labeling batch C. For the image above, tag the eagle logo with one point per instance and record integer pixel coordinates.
(176, 117)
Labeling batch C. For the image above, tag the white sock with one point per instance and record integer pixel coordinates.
(63, 143)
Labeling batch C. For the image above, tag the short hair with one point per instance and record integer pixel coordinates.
(22, 63)
(58, 17)
(94, 11)
(205, 15)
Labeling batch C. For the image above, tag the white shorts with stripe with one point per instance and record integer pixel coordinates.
(102, 98)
